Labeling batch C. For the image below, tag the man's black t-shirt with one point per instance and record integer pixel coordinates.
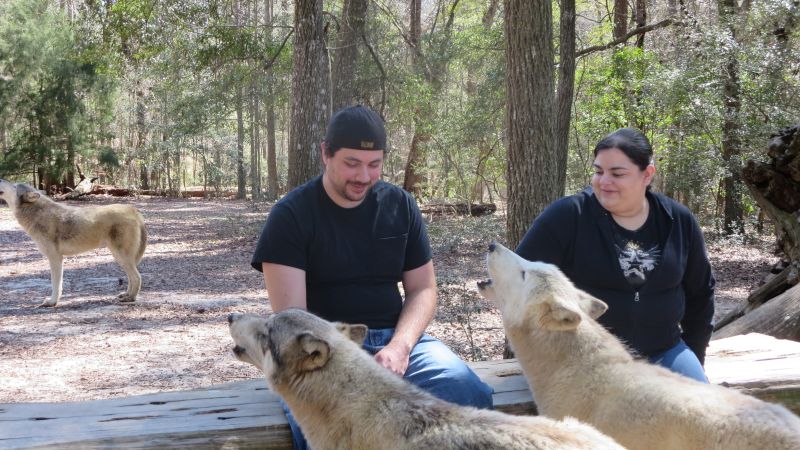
(353, 257)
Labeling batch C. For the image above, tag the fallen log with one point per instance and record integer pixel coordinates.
(775, 285)
(461, 209)
(779, 317)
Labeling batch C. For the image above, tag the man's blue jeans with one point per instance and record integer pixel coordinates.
(433, 367)
(681, 359)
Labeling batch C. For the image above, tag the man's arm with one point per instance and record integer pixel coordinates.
(418, 309)
(286, 286)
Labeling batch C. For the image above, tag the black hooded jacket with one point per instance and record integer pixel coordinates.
(677, 300)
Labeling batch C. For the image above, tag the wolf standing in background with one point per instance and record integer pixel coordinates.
(60, 230)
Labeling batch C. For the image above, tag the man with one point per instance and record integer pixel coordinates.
(338, 246)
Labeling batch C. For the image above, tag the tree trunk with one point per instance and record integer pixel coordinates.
(141, 134)
(241, 179)
(532, 159)
(310, 92)
(731, 143)
(414, 176)
(620, 18)
(272, 159)
(69, 179)
(255, 140)
(346, 54)
(775, 186)
(641, 20)
(566, 89)
(433, 72)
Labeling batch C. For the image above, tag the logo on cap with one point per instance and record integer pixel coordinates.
(367, 144)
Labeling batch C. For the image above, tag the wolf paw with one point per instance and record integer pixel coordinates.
(125, 298)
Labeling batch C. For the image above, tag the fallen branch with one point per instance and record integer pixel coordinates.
(620, 40)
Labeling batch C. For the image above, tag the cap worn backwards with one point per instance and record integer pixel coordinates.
(356, 127)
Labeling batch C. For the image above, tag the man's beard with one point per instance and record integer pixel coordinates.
(355, 196)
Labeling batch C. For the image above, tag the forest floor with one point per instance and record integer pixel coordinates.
(195, 271)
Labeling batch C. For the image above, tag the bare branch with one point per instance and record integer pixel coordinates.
(269, 63)
(630, 34)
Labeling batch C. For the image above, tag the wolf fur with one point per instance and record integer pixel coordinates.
(575, 367)
(60, 230)
(343, 399)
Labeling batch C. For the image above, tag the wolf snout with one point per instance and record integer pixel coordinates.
(492, 246)
(233, 317)
(238, 351)
(483, 284)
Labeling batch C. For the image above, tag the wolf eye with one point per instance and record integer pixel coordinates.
(523, 274)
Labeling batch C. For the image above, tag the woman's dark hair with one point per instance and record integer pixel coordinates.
(632, 142)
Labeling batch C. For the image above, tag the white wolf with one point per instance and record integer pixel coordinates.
(343, 399)
(60, 230)
(575, 367)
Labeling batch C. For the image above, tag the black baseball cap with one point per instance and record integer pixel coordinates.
(356, 127)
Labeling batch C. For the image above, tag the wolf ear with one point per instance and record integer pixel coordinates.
(316, 352)
(354, 332)
(591, 305)
(559, 317)
(30, 197)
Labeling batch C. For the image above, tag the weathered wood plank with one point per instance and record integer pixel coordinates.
(759, 365)
(245, 414)
(242, 414)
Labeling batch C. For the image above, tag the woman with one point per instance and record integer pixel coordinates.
(640, 252)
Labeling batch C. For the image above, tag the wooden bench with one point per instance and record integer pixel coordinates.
(246, 414)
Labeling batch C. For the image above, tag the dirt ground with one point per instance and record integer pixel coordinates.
(195, 271)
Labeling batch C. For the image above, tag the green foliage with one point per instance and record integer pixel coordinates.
(672, 91)
(147, 90)
(53, 94)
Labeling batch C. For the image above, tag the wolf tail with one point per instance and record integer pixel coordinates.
(142, 241)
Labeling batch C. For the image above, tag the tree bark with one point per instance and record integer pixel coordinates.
(532, 159)
(241, 179)
(346, 54)
(566, 89)
(255, 140)
(775, 186)
(310, 93)
(272, 158)
(414, 177)
(641, 20)
(731, 124)
(269, 112)
(779, 317)
(620, 18)
(432, 73)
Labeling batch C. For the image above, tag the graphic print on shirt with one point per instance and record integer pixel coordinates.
(637, 262)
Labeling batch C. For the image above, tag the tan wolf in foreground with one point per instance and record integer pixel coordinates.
(60, 230)
(575, 367)
(343, 399)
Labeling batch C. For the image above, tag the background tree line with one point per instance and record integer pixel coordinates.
(484, 100)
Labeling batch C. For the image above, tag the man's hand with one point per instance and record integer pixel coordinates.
(394, 358)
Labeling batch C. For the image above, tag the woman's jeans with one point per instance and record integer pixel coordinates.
(681, 359)
(432, 366)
